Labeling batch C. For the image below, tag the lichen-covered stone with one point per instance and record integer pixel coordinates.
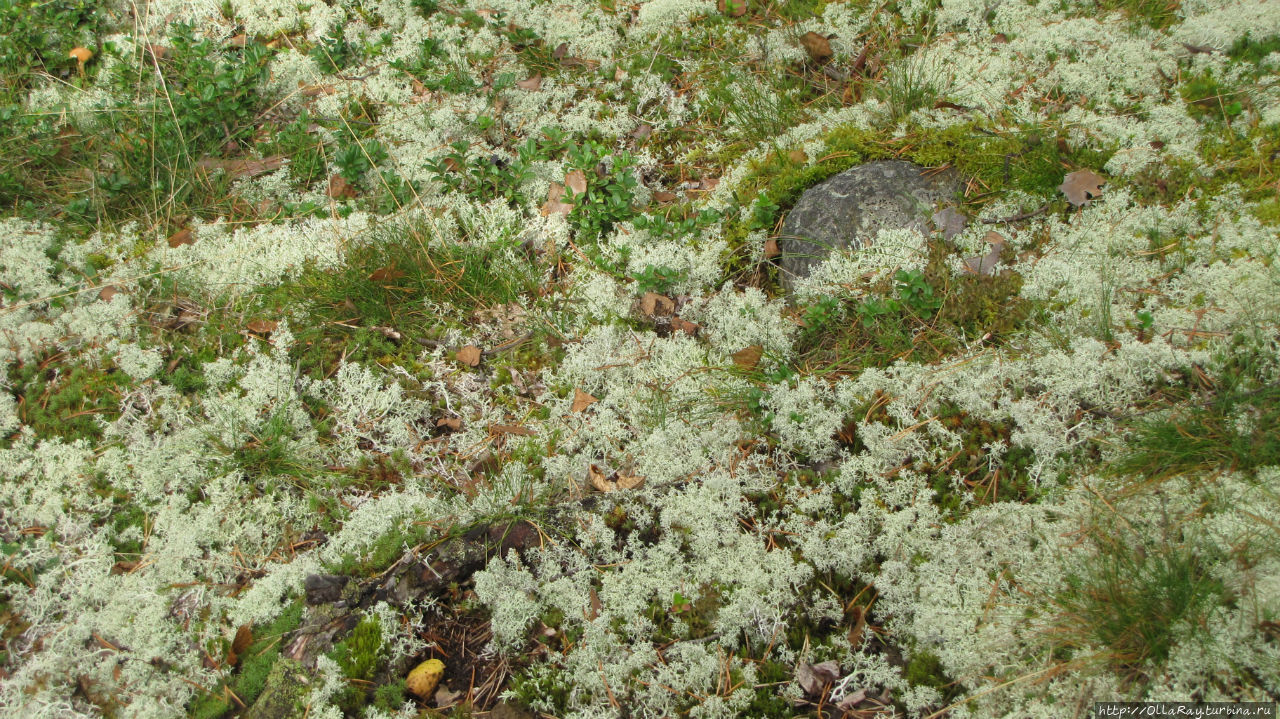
(847, 210)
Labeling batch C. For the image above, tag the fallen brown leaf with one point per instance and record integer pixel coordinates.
(452, 424)
(581, 400)
(262, 327)
(986, 264)
(511, 429)
(656, 305)
(244, 637)
(815, 678)
(679, 324)
(182, 237)
(818, 47)
(243, 167)
(771, 249)
(576, 182)
(732, 8)
(532, 84)
(602, 483)
(748, 357)
(108, 292)
(469, 355)
(661, 196)
(554, 205)
(797, 157)
(1082, 186)
(386, 274)
(642, 131)
(340, 189)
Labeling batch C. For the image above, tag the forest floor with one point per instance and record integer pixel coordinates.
(337, 337)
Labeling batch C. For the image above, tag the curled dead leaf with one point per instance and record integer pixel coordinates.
(244, 637)
(340, 189)
(236, 169)
(653, 304)
(449, 424)
(815, 678)
(986, 264)
(662, 196)
(531, 84)
(469, 355)
(581, 400)
(1082, 186)
(511, 429)
(611, 483)
(679, 324)
(818, 47)
(949, 222)
(182, 237)
(262, 327)
(771, 249)
(749, 357)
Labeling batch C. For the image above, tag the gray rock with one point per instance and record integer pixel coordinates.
(847, 210)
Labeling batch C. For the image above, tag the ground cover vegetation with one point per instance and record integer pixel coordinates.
(337, 337)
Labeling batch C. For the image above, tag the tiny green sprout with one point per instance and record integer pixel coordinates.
(1145, 320)
(679, 603)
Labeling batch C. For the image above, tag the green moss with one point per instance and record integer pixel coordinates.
(925, 669)
(71, 404)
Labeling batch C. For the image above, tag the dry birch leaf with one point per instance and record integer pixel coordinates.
(182, 237)
(656, 305)
(262, 327)
(576, 182)
(1082, 186)
(679, 324)
(986, 264)
(818, 47)
(581, 400)
(749, 357)
(469, 355)
(340, 189)
(597, 479)
(554, 205)
(531, 84)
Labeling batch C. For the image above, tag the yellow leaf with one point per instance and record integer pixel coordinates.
(424, 678)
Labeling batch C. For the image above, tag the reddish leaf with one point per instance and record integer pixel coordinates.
(682, 325)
